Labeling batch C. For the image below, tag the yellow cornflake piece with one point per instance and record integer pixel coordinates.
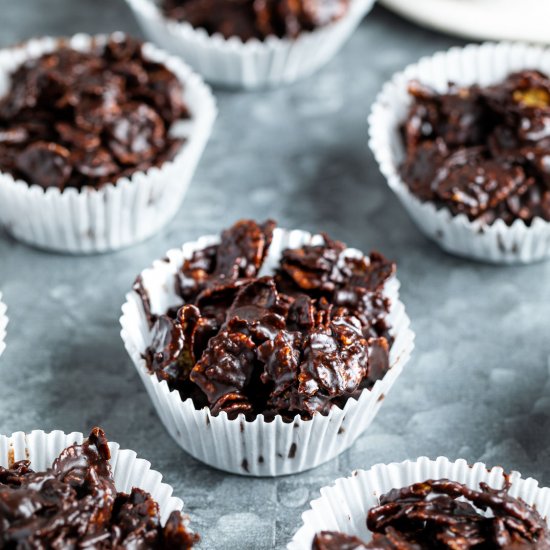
(533, 97)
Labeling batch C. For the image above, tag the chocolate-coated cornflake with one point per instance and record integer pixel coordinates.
(73, 118)
(482, 152)
(439, 514)
(74, 504)
(259, 19)
(313, 334)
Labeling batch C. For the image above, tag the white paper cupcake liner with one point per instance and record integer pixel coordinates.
(344, 506)
(117, 215)
(43, 448)
(3, 325)
(484, 65)
(252, 64)
(256, 448)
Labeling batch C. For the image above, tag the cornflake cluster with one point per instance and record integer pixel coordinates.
(74, 504)
(256, 18)
(310, 336)
(482, 152)
(75, 119)
(443, 514)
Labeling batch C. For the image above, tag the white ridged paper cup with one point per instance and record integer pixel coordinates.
(256, 448)
(3, 324)
(484, 65)
(252, 64)
(344, 506)
(43, 448)
(119, 214)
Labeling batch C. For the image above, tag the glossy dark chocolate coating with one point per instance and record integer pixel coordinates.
(75, 119)
(74, 504)
(311, 336)
(482, 152)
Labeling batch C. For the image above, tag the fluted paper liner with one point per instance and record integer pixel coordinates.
(257, 448)
(43, 448)
(344, 506)
(486, 64)
(3, 325)
(119, 214)
(251, 64)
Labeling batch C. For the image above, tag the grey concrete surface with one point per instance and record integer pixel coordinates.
(478, 385)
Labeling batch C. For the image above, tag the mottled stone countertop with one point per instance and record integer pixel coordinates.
(478, 385)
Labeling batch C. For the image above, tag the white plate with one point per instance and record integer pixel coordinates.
(525, 20)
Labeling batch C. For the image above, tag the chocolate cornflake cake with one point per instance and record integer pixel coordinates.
(74, 504)
(85, 118)
(309, 336)
(256, 18)
(439, 514)
(482, 152)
